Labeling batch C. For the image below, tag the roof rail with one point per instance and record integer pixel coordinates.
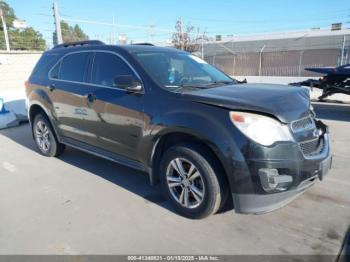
(79, 43)
(143, 44)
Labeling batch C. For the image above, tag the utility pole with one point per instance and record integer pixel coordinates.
(56, 15)
(5, 30)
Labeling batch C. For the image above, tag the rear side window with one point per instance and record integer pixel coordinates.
(43, 66)
(74, 67)
(107, 67)
(55, 71)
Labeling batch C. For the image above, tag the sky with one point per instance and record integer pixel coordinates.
(158, 17)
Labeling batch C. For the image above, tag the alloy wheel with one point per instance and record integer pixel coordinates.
(185, 183)
(42, 136)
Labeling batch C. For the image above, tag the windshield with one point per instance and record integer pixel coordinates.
(176, 70)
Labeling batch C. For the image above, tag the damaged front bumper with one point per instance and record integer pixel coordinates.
(263, 203)
(277, 181)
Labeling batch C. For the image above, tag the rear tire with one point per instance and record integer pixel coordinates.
(45, 137)
(192, 181)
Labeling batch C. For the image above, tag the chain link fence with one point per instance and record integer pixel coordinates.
(278, 57)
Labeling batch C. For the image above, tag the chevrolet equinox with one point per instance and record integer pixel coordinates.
(205, 138)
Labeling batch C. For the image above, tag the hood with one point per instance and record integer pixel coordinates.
(287, 103)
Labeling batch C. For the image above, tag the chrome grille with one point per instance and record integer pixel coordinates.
(312, 147)
(303, 124)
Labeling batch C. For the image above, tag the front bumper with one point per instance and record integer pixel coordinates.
(263, 203)
(303, 171)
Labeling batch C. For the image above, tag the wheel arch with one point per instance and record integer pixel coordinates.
(36, 108)
(33, 111)
(180, 137)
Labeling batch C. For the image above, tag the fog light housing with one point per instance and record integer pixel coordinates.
(271, 180)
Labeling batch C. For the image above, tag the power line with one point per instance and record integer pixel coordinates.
(111, 24)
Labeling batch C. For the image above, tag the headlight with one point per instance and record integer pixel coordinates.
(262, 129)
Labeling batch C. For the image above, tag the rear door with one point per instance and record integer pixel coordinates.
(69, 89)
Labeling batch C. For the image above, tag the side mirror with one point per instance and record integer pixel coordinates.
(128, 83)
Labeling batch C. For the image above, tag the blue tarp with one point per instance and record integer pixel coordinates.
(3, 109)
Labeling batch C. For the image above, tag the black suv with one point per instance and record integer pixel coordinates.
(207, 139)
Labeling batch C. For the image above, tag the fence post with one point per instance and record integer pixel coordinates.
(234, 65)
(260, 59)
(300, 62)
(343, 51)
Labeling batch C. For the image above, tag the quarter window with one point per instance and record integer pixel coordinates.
(43, 66)
(55, 71)
(107, 67)
(74, 67)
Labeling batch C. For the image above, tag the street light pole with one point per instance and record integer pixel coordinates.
(5, 31)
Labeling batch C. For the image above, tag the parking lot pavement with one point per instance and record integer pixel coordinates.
(81, 204)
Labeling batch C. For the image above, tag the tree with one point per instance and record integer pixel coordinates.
(186, 37)
(72, 34)
(24, 39)
(8, 12)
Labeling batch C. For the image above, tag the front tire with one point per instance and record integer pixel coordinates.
(191, 180)
(45, 138)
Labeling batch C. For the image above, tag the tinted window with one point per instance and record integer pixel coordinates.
(107, 67)
(41, 69)
(74, 67)
(55, 71)
(177, 69)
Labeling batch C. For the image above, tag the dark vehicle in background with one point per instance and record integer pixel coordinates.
(206, 139)
(335, 81)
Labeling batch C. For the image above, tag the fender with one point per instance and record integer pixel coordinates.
(39, 97)
(201, 125)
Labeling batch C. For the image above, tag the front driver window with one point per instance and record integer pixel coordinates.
(107, 67)
(74, 67)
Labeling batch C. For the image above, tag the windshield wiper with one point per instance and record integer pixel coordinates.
(221, 82)
(178, 87)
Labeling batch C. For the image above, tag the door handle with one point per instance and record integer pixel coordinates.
(91, 98)
(52, 87)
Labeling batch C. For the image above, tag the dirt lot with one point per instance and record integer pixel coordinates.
(81, 204)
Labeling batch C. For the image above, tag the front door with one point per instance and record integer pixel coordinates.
(119, 116)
